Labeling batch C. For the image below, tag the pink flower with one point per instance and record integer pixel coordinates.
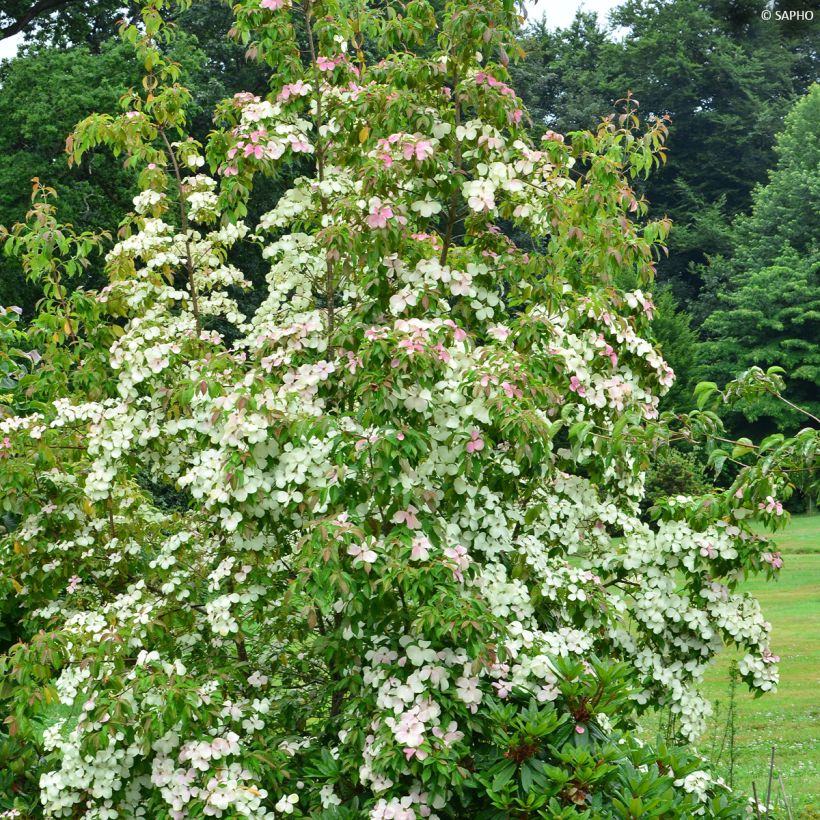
(576, 387)
(325, 64)
(499, 332)
(773, 558)
(254, 150)
(459, 334)
(412, 345)
(442, 352)
(552, 135)
(450, 735)
(424, 149)
(299, 145)
(580, 730)
(613, 356)
(407, 517)
(379, 216)
(475, 443)
(353, 362)
(73, 582)
(420, 549)
(297, 89)
(410, 731)
(421, 150)
(273, 5)
(771, 505)
(410, 752)
(502, 688)
(460, 560)
(361, 554)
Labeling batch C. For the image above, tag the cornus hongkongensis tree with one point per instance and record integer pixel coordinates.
(373, 550)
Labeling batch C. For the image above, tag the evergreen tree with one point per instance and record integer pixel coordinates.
(677, 341)
(767, 294)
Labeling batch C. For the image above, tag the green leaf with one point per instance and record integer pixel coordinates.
(504, 775)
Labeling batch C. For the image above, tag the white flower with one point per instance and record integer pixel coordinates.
(426, 207)
(286, 804)
(257, 680)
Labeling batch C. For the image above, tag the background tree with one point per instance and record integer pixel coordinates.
(64, 22)
(725, 76)
(36, 114)
(767, 293)
(563, 77)
(58, 86)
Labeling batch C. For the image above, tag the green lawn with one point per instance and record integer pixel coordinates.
(802, 536)
(789, 719)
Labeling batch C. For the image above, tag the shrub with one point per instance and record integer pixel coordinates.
(357, 556)
(672, 473)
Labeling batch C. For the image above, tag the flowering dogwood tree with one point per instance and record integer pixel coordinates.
(374, 550)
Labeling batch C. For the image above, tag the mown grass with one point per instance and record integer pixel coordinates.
(801, 536)
(789, 720)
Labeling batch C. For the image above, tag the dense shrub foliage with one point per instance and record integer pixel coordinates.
(375, 550)
(672, 472)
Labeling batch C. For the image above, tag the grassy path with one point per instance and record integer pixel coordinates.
(790, 718)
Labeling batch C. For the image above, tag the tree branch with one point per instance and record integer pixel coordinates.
(37, 10)
(183, 218)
